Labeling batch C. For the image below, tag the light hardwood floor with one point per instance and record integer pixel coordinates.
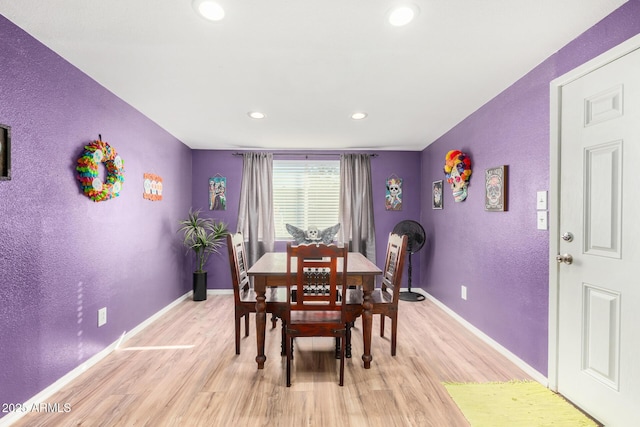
(204, 383)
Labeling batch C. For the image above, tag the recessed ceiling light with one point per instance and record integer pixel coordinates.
(402, 15)
(256, 115)
(209, 9)
(359, 116)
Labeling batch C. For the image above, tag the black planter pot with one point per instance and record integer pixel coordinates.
(200, 286)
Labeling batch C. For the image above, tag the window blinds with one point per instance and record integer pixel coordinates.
(306, 193)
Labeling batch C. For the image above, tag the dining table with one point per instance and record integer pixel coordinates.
(271, 270)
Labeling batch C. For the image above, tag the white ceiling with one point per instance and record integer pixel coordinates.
(306, 64)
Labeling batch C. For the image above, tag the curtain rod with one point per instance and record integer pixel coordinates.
(298, 153)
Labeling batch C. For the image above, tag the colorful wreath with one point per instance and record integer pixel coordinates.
(93, 187)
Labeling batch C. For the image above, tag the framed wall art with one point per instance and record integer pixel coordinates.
(495, 199)
(5, 152)
(152, 184)
(436, 194)
(393, 196)
(217, 193)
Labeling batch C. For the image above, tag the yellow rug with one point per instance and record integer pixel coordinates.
(515, 403)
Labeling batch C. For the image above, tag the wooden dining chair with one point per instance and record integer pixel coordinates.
(243, 293)
(316, 272)
(384, 299)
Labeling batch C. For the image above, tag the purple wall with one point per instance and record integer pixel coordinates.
(405, 164)
(501, 257)
(62, 256)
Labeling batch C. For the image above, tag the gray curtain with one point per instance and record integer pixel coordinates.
(255, 215)
(356, 204)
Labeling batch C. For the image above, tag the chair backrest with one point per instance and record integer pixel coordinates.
(394, 265)
(318, 272)
(238, 264)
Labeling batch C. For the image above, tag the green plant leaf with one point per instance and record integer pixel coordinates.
(202, 235)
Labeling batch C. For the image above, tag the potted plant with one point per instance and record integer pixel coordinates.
(204, 236)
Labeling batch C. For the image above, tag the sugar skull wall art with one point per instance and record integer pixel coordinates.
(457, 171)
(393, 199)
(217, 193)
(495, 199)
(152, 187)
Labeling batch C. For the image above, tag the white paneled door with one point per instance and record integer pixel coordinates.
(598, 342)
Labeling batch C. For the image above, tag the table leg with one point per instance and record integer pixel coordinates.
(261, 318)
(367, 321)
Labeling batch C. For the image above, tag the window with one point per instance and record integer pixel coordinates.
(305, 193)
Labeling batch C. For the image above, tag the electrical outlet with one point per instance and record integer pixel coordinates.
(463, 292)
(102, 316)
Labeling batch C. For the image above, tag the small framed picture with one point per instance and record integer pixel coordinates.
(152, 185)
(495, 199)
(393, 195)
(5, 152)
(436, 194)
(217, 193)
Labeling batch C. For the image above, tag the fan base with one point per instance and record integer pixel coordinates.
(411, 296)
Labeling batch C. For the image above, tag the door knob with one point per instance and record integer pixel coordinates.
(566, 258)
(567, 237)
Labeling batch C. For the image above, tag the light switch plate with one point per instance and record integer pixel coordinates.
(541, 201)
(542, 220)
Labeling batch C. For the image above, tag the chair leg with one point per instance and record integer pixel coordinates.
(246, 325)
(348, 340)
(382, 325)
(342, 354)
(394, 330)
(283, 346)
(338, 348)
(289, 343)
(237, 334)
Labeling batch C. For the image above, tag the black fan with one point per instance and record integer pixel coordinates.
(415, 241)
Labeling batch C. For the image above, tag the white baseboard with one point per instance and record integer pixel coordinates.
(533, 373)
(219, 291)
(45, 394)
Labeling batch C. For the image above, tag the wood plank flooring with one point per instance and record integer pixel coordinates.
(183, 371)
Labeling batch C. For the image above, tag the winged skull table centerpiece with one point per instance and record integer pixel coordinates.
(313, 234)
